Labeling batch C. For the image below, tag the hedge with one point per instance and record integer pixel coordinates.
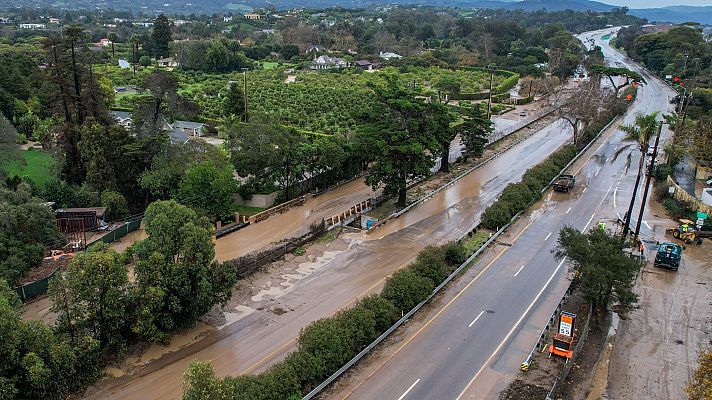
(327, 344)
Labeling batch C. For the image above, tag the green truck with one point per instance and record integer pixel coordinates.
(668, 256)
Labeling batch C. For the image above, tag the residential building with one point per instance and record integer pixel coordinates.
(54, 20)
(32, 26)
(104, 42)
(389, 56)
(326, 62)
(252, 16)
(227, 18)
(364, 64)
(123, 118)
(188, 127)
(167, 62)
(79, 219)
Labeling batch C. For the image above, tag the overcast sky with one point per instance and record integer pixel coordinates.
(656, 3)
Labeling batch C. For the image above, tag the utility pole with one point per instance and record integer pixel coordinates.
(244, 79)
(648, 179)
(489, 101)
(530, 89)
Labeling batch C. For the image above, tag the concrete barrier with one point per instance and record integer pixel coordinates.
(681, 194)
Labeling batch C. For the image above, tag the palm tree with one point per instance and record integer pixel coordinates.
(640, 133)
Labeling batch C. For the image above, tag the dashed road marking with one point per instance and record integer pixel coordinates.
(409, 389)
(476, 318)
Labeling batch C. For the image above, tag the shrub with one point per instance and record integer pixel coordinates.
(116, 205)
(429, 265)
(662, 171)
(496, 216)
(327, 340)
(455, 253)
(517, 196)
(360, 325)
(405, 289)
(384, 313)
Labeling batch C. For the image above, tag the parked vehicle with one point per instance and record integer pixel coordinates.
(564, 183)
(668, 256)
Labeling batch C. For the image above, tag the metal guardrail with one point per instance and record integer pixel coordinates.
(447, 280)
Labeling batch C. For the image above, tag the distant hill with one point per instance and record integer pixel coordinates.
(558, 5)
(675, 14)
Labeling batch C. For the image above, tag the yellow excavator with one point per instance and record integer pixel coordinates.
(688, 232)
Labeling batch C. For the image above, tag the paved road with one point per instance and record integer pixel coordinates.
(254, 342)
(471, 345)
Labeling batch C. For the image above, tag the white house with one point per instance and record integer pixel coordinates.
(104, 42)
(326, 62)
(32, 26)
(389, 56)
(227, 18)
(167, 62)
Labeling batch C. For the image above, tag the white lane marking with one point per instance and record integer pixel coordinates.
(547, 237)
(615, 191)
(567, 211)
(518, 271)
(646, 224)
(409, 389)
(584, 190)
(589, 221)
(476, 318)
(511, 331)
(596, 174)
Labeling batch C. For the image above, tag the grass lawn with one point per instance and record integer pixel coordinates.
(247, 210)
(37, 166)
(269, 65)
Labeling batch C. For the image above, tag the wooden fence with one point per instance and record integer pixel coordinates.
(681, 194)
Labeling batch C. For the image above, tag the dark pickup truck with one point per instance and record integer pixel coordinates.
(564, 183)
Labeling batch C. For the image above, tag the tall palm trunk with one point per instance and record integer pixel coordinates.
(626, 228)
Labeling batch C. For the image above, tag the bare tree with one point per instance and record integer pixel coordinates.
(587, 101)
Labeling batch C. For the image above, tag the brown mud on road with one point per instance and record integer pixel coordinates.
(657, 345)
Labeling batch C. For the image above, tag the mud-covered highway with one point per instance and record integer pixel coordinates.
(468, 347)
(261, 338)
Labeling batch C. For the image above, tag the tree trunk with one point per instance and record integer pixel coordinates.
(77, 86)
(445, 158)
(113, 52)
(401, 197)
(67, 115)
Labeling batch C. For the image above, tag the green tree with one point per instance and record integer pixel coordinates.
(607, 274)
(116, 206)
(28, 229)
(161, 36)
(405, 289)
(208, 190)
(177, 279)
(36, 361)
(234, 102)
(474, 132)
(95, 291)
(400, 139)
(267, 152)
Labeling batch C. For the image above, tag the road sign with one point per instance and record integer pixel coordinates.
(566, 323)
(701, 215)
(699, 223)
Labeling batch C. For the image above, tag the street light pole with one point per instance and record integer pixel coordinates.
(244, 79)
(648, 179)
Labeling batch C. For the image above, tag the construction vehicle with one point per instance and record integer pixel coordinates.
(688, 232)
(564, 183)
(668, 256)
